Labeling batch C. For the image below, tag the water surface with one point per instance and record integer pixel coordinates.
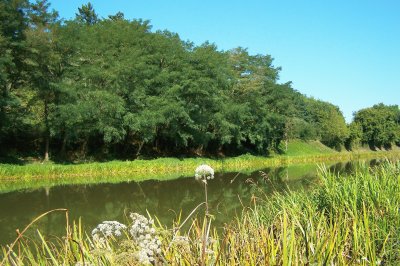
(227, 194)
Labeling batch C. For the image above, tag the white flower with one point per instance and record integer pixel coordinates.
(144, 235)
(107, 229)
(204, 172)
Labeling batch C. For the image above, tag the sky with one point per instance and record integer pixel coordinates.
(343, 52)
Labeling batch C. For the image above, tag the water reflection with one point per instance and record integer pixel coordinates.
(165, 199)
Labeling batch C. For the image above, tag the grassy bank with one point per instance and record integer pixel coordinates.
(345, 221)
(35, 175)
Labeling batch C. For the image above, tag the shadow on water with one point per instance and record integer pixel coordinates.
(228, 193)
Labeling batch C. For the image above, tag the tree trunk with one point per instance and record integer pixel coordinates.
(46, 151)
(139, 149)
(156, 146)
(64, 145)
(84, 147)
(47, 131)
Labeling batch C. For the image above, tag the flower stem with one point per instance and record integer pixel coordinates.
(203, 251)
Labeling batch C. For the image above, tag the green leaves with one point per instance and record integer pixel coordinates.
(87, 15)
(116, 84)
(378, 126)
(329, 122)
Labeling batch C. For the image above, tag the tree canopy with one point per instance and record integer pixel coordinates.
(113, 88)
(378, 126)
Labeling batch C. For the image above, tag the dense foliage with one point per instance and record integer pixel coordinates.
(110, 87)
(377, 126)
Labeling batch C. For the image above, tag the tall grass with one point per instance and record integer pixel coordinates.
(345, 220)
(14, 177)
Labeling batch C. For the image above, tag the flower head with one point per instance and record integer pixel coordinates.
(204, 172)
(107, 229)
(145, 236)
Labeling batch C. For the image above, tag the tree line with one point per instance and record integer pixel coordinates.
(113, 88)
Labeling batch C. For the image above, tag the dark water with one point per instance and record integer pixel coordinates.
(164, 199)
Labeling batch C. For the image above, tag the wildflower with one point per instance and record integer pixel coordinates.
(107, 229)
(204, 172)
(143, 258)
(145, 237)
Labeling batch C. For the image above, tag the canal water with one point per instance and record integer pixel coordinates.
(227, 194)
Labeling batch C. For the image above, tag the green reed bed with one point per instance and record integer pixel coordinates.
(345, 220)
(34, 176)
(159, 168)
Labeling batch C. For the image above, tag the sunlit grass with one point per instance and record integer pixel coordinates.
(300, 148)
(31, 176)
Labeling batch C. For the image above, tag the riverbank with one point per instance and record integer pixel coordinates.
(14, 177)
(344, 221)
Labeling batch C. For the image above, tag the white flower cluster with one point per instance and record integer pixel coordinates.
(106, 230)
(204, 172)
(144, 235)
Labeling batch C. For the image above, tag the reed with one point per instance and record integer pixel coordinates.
(13, 177)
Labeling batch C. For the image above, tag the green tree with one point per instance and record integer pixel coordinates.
(117, 16)
(110, 62)
(380, 125)
(355, 135)
(329, 122)
(45, 62)
(255, 86)
(12, 50)
(87, 15)
(113, 85)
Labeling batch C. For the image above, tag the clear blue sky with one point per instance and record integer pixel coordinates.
(344, 52)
